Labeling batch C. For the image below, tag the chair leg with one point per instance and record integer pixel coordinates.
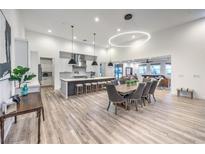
(154, 97)
(126, 105)
(141, 103)
(143, 100)
(149, 99)
(136, 105)
(43, 114)
(108, 106)
(116, 108)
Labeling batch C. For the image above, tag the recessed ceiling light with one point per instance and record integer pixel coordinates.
(128, 16)
(133, 36)
(50, 31)
(97, 19)
(118, 29)
(93, 42)
(74, 37)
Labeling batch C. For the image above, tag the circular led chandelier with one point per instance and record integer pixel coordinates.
(130, 32)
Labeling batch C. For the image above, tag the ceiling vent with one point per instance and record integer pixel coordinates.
(128, 16)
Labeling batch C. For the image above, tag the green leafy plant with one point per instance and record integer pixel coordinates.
(21, 75)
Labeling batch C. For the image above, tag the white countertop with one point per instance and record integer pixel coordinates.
(85, 79)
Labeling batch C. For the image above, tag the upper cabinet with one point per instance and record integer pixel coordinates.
(89, 67)
(64, 66)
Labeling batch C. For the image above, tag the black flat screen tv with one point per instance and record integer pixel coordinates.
(5, 47)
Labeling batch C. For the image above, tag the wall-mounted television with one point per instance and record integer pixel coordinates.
(5, 47)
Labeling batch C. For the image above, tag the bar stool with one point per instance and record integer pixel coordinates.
(100, 85)
(87, 87)
(94, 86)
(104, 85)
(79, 89)
(108, 82)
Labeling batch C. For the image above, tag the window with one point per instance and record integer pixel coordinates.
(142, 69)
(155, 69)
(118, 71)
(168, 69)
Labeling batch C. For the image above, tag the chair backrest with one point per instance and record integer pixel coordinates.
(113, 95)
(122, 81)
(115, 82)
(137, 94)
(153, 87)
(146, 89)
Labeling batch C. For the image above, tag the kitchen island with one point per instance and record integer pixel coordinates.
(68, 85)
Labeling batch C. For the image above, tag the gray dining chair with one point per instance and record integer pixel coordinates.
(136, 96)
(114, 97)
(152, 89)
(145, 94)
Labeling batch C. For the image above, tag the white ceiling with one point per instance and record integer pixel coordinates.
(59, 22)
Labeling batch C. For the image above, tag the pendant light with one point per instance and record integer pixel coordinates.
(72, 60)
(110, 64)
(94, 63)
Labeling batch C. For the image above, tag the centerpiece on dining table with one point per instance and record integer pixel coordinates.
(131, 82)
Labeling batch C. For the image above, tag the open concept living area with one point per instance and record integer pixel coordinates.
(102, 76)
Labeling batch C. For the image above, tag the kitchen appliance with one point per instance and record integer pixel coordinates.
(80, 60)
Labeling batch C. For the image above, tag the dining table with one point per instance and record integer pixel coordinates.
(124, 89)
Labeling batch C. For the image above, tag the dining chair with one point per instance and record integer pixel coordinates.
(136, 96)
(145, 94)
(152, 89)
(114, 97)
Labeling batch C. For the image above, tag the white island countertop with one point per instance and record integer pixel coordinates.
(86, 79)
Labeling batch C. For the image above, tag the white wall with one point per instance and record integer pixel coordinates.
(49, 46)
(186, 46)
(17, 31)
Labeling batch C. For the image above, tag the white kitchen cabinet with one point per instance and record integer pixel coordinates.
(89, 67)
(64, 66)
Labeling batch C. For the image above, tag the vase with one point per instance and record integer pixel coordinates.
(24, 90)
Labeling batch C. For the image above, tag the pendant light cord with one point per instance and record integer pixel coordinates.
(110, 52)
(72, 36)
(94, 42)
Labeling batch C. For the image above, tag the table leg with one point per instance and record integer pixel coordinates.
(2, 131)
(15, 119)
(39, 126)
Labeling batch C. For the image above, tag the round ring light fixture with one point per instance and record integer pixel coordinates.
(130, 32)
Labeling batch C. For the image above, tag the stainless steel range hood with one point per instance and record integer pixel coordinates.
(80, 60)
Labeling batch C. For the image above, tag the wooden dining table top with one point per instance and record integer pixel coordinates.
(124, 89)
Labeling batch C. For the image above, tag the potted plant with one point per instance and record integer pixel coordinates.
(22, 76)
(128, 82)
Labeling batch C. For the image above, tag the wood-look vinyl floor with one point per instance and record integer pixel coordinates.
(84, 119)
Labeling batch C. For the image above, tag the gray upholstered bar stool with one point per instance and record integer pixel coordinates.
(79, 89)
(88, 87)
(94, 86)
